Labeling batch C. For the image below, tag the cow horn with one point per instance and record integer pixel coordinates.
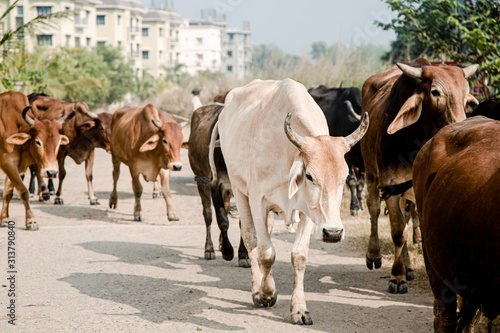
(294, 138)
(355, 136)
(351, 110)
(67, 117)
(157, 123)
(413, 72)
(92, 115)
(27, 118)
(468, 71)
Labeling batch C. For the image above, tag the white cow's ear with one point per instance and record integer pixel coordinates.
(150, 144)
(408, 114)
(18, 138)
(296, 176)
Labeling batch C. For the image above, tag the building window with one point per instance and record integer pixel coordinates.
(229, 54)
(20, 10)
(145, 55)
(161, 55)
(145, 32)
(199, 40)
(119, 19)
(66, 8)
(87, 15)
(101, 19)
(44, 39)
(77, 41)
(161, 32)
(199, 56)
(101, 44)
(88, 41)
(229, 68)
(19, 21)
(43, 10)
(68, 38)
(119, 44)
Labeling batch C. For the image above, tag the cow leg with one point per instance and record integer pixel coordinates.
(250, 239)
(360, 187)
(417, 235)
(267, 293)
(32, 180)
(204, 192)
(298, 308)
(137, 188)
(113, 197)
(445, 301)
(165, 190)
(89, 166)
(351, 182)
(243, 259)
(401, 266)
(13, 179)
(222, 220)
(50, 187)
(156, 189)
(43, 192)
(62, 174)
(373, 255)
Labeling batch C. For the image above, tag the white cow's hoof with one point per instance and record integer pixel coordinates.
(265, 302)
(301, 318)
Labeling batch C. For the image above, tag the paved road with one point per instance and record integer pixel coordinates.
(92, 269)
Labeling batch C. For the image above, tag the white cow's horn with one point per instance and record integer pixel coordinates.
(294, 138)
(355, 136)
(468, 71)
(413, 72)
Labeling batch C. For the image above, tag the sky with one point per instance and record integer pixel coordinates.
(294, 25)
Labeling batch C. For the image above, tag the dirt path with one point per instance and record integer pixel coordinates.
(92, 269)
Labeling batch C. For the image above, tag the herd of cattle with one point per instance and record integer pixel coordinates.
(279, 148)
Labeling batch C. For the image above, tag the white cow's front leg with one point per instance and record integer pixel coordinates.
(267, 295)
(298, 307)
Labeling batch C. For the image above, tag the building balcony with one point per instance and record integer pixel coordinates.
(134, 31)
(174, 40)
(81, 22)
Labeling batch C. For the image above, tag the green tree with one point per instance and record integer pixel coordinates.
(449, 30)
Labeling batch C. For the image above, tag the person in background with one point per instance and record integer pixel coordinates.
(195, 101)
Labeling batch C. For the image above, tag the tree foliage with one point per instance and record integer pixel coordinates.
(449, 30)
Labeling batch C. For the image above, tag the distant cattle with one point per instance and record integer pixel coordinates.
(25, 141)
(202, 124)
(407, 105)
(456, 178)
(284, 163)
(489, 108)
(148, 141)
(342, 108)
(85, 131)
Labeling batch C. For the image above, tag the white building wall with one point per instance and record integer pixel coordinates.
(200, 48)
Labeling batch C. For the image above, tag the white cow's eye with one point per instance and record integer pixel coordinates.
(435, 93)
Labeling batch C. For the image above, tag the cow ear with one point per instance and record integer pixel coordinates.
(18, 138)
(64, 140)
(185, 144)
(296, 176)
(87, 125)
(408, 114)
(470, 103)
(150, 144)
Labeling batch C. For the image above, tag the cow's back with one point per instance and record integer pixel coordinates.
(11, 105)
(251, 128)
(456, 177)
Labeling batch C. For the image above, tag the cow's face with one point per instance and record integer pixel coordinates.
(167, 144)
(44, 145)
(441, 98)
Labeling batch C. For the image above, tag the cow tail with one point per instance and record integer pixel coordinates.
(391, 190)
(202, 180)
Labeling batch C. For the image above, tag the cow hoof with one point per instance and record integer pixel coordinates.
(302, 318)
(4, 224)
(403, 288)
(265, 302)
(45, 197)
(370, 262)
(354, 212)
(52, 192)
(94, 202)
(210, 255)
(410, 275)
(396, 287)
(173, 218)
(393, 287)
(58, 201)
(156, 195)
(245, 263)
(227, 250)
(112, 205)
(137, 218)
(33, 226)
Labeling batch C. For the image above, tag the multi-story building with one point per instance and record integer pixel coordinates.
(237, 52)
(119, 23)
(160, 37)
(77, 31)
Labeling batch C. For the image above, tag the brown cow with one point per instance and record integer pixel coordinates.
(456, 178)
(84, 132)
(149, 142)
(202, 124)
(221, 98)
(407, 105)
(25, 141)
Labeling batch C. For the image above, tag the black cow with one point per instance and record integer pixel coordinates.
(342, 109)
(489, 108)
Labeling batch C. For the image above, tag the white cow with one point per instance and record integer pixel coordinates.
(275, 169)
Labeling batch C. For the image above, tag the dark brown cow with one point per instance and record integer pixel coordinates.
(456, 178)
(149, 142)
(84, 131)
(407, 105)
(202, 124)
(25, 141)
